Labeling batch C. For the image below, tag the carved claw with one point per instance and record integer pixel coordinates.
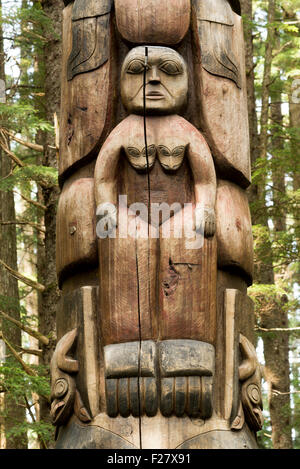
(249, 364)
(64, 362)
(209, 226)
(79, 409)
(209, 222)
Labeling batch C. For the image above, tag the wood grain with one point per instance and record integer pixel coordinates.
(187, 289)
(223, 109)
(234, 230)
(153, 22)
(85, 109)
(75, 227)
(79, 309)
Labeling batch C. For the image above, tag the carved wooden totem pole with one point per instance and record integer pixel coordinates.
(154, 325)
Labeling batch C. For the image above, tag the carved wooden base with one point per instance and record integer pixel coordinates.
(165, 394)
(157, 433)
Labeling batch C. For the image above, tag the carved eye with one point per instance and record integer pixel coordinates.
(134, 152)
(151, 150)
(178, 151)
(171, 67)
(135, 66)
(61, 388)
(164, 151)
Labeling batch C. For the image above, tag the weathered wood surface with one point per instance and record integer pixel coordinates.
(235, 315)
(87, 105)
(153, 22)
(187, 289)
(234, 230)
(223, 104)
(133, 310)
(79, 309)
(76, 227)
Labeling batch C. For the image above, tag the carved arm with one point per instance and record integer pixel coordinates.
(203, 170)
(106, 171)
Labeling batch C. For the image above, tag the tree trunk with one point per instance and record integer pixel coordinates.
(46, 253)
(276, 346)
(247, 12)
(9, 292)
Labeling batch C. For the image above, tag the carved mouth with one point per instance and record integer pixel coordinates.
(56, 410)
(155, 95)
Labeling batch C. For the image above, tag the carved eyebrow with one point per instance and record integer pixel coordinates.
(168, 55)
(137, 57)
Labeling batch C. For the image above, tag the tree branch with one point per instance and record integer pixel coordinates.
(12, 155)
(285, 45)
(26, 368)
(30, 201)
(277, 329)
(279, 393)
(29, 409)
(37, 335)
(22, 278)
(32, 146)
(21, 222)
(30, 351)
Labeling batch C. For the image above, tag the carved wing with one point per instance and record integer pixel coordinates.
(215, 23)
(221, 88)
(86, 81)
(90, 25)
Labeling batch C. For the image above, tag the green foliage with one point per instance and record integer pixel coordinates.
(43, 175)
(21, 389)
(26, 32)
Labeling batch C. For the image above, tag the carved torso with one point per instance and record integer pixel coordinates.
(170, 175)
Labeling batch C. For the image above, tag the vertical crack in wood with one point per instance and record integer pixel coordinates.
(148, 250)
(140, 336)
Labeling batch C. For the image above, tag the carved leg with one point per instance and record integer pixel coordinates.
(127, 296)
(187, 287)
(186, 370)
(131, 379)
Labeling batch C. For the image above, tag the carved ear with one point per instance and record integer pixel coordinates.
(65, 363)
(249, 363)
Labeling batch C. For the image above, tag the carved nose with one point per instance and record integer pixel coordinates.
(154, 77)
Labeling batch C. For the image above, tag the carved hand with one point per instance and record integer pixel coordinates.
(107, 220)
(209, 222)
(205, 221)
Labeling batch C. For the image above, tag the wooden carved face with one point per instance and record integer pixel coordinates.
(166, 81)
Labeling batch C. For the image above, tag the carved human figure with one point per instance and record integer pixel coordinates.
(170, 138)
(177, 169)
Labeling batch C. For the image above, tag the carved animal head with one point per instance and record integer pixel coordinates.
(250, 376)
(62, 383)
(166, 81)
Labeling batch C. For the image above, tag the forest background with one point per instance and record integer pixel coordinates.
(30, 60)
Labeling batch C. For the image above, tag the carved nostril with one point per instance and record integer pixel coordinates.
(154, 80)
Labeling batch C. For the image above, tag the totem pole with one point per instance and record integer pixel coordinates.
(155, 328)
